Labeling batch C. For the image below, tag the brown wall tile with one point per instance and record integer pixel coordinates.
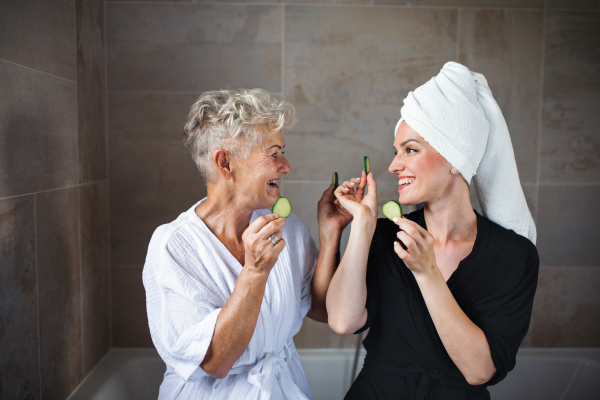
(193, 47)
(39, 35)
(19, 340)
(573, 4)
(566, 308)
(347, 71)
(95, 272)
(91, 89)
(153, 178)
(486, 38)
(466, 3)
(571, 122)
(59, 291)
(129, 318)
(38, 131)
(569, 226)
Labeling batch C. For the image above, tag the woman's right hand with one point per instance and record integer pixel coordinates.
(351, 196)
(260, 252)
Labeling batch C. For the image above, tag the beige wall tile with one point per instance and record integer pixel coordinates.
(486, 37)
(466, 3)
(19, 340)
(38, 131)
(573, 4)
(39, 35)
(571, 119)
(59, 291)
(193, 47)
(129, 318)
(315, 335)
(347, 71)
(95, 273)
(566, 308)
(91, 90)
(568, 226)
(153, 178)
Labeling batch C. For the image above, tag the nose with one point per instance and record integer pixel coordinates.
(396, 166)
(285, 168)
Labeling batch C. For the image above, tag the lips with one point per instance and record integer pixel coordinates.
(404, 182)
(272, 182)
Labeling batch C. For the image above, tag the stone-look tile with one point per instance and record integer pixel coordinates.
(573, 4)
(571, 118)
(153, 178)
(95, 272)
(193, 47)
(566, 308)
(347, 71)
(530, 192)
(38, 131)
(39, 35)
(340, 2)
(486, 37)
(91, 89)
(568, 226)
(19, 341)
(129, 317)
(466, 3)
(315, 335)
(59, 291)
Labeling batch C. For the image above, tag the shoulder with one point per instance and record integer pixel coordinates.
(511, 242)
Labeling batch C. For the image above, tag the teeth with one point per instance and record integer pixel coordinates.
(406, 181)
(271, 182)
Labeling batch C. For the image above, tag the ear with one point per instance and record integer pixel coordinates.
(222, 162)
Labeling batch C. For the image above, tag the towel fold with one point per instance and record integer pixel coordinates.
(456, 113)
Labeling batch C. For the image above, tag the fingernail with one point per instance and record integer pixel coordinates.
(396, 219)
(395, 243)
(276, 216)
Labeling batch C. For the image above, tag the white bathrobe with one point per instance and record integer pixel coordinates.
(189, 275)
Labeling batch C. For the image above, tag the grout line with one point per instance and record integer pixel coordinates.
(459, 11)
(155, 91)
(540, 115)
(37, 70)
(81, 286)
(52, 190)
(283, 53)
(37, 292)
(574, 184)
(589, 267)
(109, 266)
(566, 391)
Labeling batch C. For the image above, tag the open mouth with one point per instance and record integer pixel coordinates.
(272, 183)
(405, 182)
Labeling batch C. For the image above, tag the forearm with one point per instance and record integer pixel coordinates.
(235, 324)
(347, 292)
(464, 341)
(327, 262)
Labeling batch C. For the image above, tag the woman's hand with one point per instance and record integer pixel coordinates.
(331, 216)
(419, 255)
(351, 196)
(261, 254)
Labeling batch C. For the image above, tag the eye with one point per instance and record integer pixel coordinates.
(274, 155)
(395, 153)
(410, 151)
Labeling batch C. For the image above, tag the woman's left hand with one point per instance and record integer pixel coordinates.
(332, 217)
(419, 255)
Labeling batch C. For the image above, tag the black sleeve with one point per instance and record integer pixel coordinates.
(372, 304)
(506, 318)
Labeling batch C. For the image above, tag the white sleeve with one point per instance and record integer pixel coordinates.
(309, 262)
(182, 310)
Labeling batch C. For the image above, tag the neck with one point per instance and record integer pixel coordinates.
(224, 213)
(451, 216)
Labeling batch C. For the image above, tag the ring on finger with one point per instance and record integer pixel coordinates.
(273, 239)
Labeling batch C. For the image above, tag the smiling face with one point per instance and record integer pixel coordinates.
(256, 178)
(423, 174)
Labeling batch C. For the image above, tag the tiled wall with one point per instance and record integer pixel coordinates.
(346, 65)
(54, 243)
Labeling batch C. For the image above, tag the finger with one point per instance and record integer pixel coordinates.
(408, 241)
(410, 227)
(271, 228)
(349, 184)
(279, 246)
(372, 183)
(327, 194)
(360, 190)
(260, 222)
(403, 254)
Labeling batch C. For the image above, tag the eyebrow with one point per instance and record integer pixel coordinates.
(409, 140)
(276, 145)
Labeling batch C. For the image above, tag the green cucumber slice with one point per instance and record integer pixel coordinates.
(282, 207)
(334, 180)
(367, 165)
(392, 209)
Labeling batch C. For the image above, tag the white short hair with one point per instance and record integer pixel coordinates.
(229, 120)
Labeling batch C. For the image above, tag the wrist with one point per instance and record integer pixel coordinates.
(257, 275)
(365, 222)
(429, 276)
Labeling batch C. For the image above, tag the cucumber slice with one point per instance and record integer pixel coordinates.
(391, 210)
(334, 180)
(282, 207)
(367, 165)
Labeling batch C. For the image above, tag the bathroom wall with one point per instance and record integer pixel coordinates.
(346, 65)
(54, 238)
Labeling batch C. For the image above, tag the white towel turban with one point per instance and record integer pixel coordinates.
(455, 112)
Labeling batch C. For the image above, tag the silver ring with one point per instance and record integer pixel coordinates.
(273, 239)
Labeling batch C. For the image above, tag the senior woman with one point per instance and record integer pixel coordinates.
(446, 292)
(228, 282)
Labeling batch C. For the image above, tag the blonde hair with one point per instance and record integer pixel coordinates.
(229, 120)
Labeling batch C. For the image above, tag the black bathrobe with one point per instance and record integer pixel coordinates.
(494, 286)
